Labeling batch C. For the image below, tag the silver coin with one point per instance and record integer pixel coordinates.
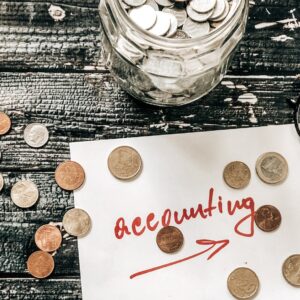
(203, 17)
(144, 16)
(218, 10)
(179, 13)
(153, 4)
(162, 25)
(203, 6)
(165, 3)
(134, 3)
(272, 168)
(225, 13)
(173, 27)
(77, 222)
(36, 135)
(180, 35)
(195, 29)
(24, 193)
(1, 182)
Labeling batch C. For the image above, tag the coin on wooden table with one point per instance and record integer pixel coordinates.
(40, 264)
(24, 193)
(268, 218)
(48, 238)
(1, 182)
(77, 222)
(237, 175)
(36, 135)
(243, 283)
(169, 239)
(69, 175)
(291, 270)
(124, 162)
(272, 168)
(5, 123)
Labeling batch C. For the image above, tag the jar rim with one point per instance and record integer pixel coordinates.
(164, 41)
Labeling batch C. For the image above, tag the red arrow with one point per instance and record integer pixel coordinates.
(221, 245)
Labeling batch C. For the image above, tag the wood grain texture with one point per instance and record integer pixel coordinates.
(30, 39)
(31, 289)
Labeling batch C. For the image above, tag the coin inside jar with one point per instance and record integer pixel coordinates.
(272, 168)
(237, 175)
(36, 135)
(243, 283)
(24, 193)
(291, 270)
(40, 264)
(124, 163)
(5, 123)
(48, 238)
(70, 175)
(169, 239)
(268, 218)
(77, 222)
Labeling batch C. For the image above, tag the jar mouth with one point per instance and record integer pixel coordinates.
(232, 17)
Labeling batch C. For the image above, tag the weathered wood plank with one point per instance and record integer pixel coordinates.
(78, 107)
(31, 40)
(31, 289)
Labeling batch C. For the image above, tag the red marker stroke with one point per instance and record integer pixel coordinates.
(220, 245)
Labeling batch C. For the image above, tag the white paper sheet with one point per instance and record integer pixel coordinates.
(178, 172)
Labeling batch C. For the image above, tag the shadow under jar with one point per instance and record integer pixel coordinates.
(163, 71)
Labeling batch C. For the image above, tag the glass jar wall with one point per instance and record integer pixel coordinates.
(168, 72)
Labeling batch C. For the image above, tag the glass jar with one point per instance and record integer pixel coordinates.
(168, 72)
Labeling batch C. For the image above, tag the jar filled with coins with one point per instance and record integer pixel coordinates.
(170, 52)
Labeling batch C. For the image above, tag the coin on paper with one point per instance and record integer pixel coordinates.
(268, 218)
(40, 264)
(272, 168)
(69, 175)
(77, 222)
(291, 270)
(243, 283)
(5, 123)
(24, 193)
(237, 175)
(169, 239)
(124, 162)
(36, 135)
(1, 182)
(48, 238)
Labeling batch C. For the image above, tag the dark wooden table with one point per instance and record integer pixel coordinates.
(52, 72)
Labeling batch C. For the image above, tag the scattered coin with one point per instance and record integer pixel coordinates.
(243, 283)
(291, 270)
(40, 264)
(77, 222)
(272, 168)
(237, 175)
(124, 162)
(169, 239)
(69, 175)
(268, 218)
(1, 182)
(48, 238)
(24, 193)
(36, 135)
(5, 123)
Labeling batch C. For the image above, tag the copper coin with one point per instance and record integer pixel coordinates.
(40, 264)
(5, 123)
(291, 270)
(243, 283)
(237, 175)
(124, 162)
(48, 238)
(169, 239)
(268, 218)
(69, 175)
